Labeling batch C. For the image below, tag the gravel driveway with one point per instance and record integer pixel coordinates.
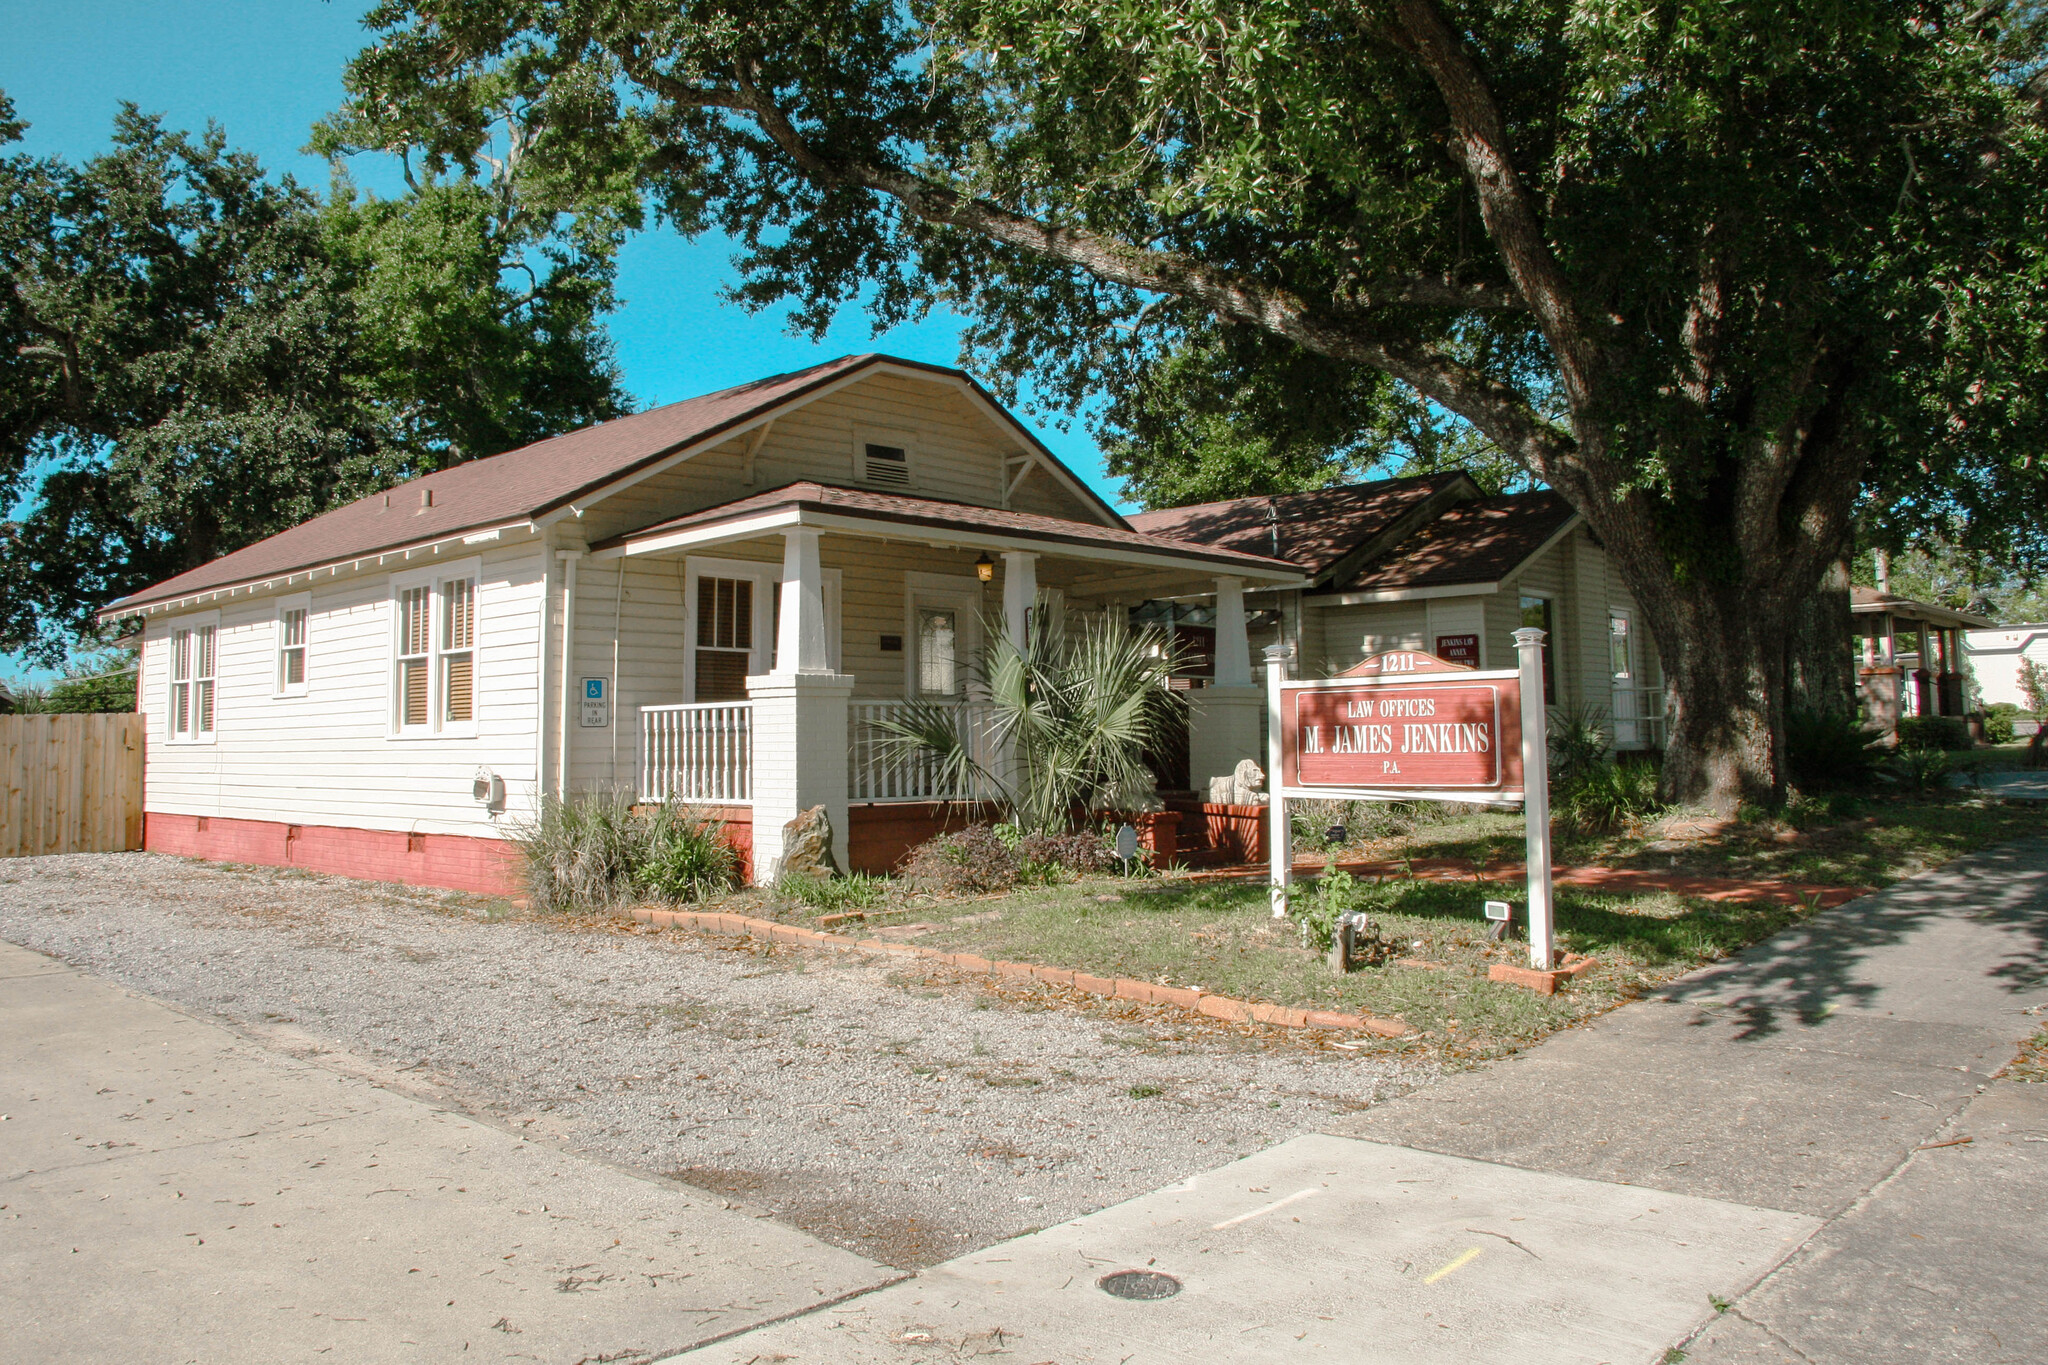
(907, 1113)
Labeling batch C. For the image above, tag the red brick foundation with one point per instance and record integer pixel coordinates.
(880, 835)
(458, 862)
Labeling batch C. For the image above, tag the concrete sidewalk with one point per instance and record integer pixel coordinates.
(1778, 1134)
(170, 1191)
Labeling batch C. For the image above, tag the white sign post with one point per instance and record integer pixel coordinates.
(1536, 798)
(1279, 841)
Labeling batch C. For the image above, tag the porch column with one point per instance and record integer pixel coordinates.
(1020, 593)
(1223, 720)
(799, 714)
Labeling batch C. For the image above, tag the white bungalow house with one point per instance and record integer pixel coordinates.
(710, 600)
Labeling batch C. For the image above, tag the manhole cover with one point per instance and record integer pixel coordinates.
(1139, 1284)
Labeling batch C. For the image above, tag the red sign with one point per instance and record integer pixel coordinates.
(1434, 733)
(1459, 649)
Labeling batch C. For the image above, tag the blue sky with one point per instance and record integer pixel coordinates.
(266, 69)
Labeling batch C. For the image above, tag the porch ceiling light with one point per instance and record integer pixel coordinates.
(984, 568)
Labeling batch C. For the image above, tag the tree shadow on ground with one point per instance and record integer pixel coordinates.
(1822, 964)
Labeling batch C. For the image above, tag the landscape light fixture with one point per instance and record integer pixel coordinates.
(984, 568)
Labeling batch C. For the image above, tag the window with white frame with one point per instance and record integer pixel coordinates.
(194, 652)
(293, 613)
(434, 653)
(734, 608)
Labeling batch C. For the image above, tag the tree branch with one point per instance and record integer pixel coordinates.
(1480, 145)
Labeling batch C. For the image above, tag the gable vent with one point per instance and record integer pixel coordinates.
(888, 465)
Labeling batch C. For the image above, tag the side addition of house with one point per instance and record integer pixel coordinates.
(1431, 563)
(713, 601)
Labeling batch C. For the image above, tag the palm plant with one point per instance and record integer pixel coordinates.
(1073, 713)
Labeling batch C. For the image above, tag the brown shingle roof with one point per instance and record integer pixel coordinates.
(1316, 528)
(516, 485)
(896, 508)
(1474, 542)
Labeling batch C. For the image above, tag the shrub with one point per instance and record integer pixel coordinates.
(1612, 795)
(592, 852)
(1829, 749)
(580, 853)
(962, 862)
(683, 858)
(1998, 722)
(1921, 770)
(1080, 853)
(1578, 746)
(1934, 732)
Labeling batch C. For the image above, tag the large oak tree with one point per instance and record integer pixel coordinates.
(1693, 263)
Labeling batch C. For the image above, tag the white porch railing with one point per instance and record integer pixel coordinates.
(702, 753)
(1638, 714)
(878, 771)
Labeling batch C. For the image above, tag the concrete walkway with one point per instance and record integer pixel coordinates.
(172, 1192)
(1780, 1134)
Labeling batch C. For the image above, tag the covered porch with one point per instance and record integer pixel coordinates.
(1910, 657)
(772, 636)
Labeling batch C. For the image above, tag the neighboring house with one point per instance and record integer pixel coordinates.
(1431, 563)
(1910, 657)
(6, 701)
(1994, 655)
(712, 600)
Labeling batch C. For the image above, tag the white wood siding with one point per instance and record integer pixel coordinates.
(325, 757)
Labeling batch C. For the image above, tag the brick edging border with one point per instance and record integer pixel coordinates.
(1121, 987)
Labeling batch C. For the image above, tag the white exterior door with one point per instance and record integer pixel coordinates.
(1626, 707)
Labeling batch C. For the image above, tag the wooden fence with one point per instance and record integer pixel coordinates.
(70, 784)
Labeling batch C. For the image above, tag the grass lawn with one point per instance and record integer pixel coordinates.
(1220, 936)
(1863, 840)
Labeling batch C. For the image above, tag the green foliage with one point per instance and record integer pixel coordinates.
(1934, 732)
(854, 891)
(194, 356)
(1611, 796)
(1922, 769)
(683, 857)
(594, 853)
(1711, 271)
(1363, 821)
(1078, 706)
(1998, 722)
(2033, 680)
(1317, 913)
(1829, 749)
(1578, 747)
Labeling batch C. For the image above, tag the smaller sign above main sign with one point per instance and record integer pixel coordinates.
(1458, 649)
(1404, 663)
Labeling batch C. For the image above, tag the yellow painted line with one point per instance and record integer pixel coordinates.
(1464, 1260)
(1259, 1212)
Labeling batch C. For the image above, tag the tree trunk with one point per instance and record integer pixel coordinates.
(1723, 652)
(1820, 652)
